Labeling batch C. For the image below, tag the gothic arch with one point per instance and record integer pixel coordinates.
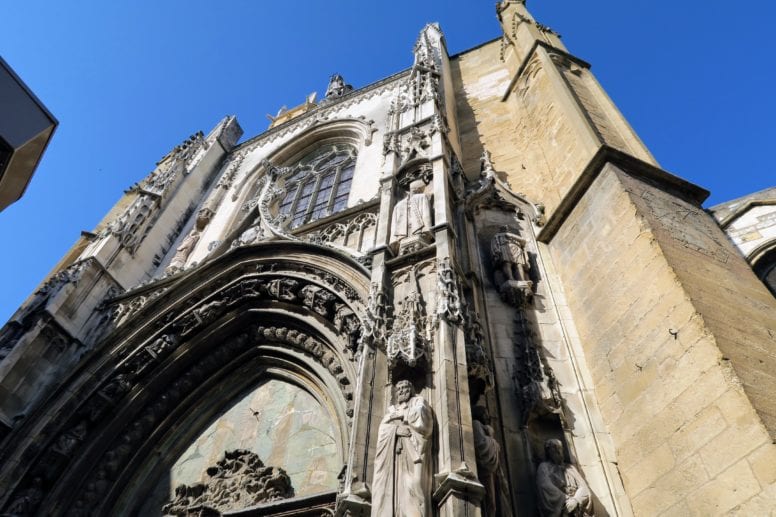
(351, 131)
(286, 310)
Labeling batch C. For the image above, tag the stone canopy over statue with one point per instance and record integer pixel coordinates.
(411, 221)
(401, 487)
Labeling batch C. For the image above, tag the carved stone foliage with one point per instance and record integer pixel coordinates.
(376, 320)
(239, 480)
(409, 342)
(478, 364)
(449, 305)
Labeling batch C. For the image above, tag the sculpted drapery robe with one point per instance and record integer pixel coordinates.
(400, 486)
(411, 216)
(556, 484)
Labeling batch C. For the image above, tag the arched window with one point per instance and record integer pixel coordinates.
(318, 185)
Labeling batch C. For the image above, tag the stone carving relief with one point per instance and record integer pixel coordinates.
(411, 221)
(129, 228)
(376, 320)
(67, 276)
(511, 266)
(253, 235)
(239, 480)
(409, 340)
(28, 499)
(130, 373)
(415, 144)
(448, 293)
(127, 307)
(478, 364)
(537, 387)
(314, 348)
(560, 487)
(487, 172)
(183, 251)
(354, 236)
(402, 464)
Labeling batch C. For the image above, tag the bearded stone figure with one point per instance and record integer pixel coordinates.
(561, 488)
(402, 462)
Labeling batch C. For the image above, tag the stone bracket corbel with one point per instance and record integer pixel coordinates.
(353, 506)
(461, 482)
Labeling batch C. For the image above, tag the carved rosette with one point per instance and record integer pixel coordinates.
(239, 480)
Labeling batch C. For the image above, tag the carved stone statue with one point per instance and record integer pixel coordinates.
(182, 253)
(512, 266)
(561, 488)
(411, 222)
(401, 485)
(337, 87)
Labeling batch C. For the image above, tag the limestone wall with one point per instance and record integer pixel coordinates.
(687, 438)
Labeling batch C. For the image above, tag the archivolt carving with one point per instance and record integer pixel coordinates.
(131, 373)
(77, 429)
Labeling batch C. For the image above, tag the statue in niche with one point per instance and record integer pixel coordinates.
(411, 221)
(561, 488)
(401, 487)
(182, 253)
(512, 266)
(488, 452)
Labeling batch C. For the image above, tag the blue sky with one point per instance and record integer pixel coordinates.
(130, 80)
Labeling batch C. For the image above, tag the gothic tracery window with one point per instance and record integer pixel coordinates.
(318, 185)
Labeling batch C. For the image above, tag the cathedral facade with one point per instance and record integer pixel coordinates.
(465, 289)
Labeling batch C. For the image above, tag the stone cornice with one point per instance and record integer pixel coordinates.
(630, 165)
